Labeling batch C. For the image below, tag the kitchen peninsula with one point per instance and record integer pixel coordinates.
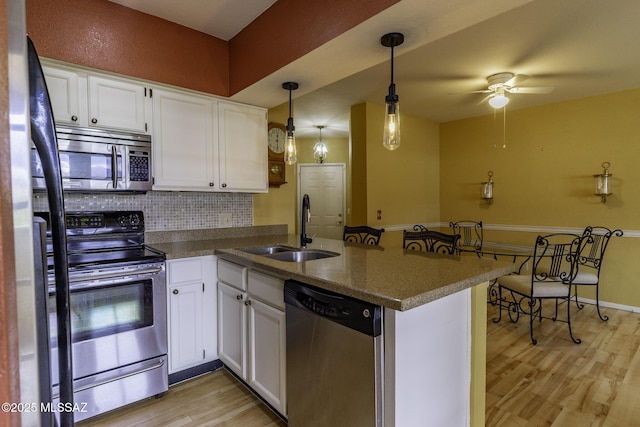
(429, 347)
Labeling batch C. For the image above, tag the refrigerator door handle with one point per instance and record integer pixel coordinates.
(44, 139)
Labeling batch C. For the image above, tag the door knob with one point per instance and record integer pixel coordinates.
(175, 292)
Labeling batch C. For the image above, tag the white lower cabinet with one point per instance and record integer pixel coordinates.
(251, 330)
(191, 312)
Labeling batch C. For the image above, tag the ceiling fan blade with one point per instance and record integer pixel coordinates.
(485, 99)
(516, 80)
(538, 89)
(473, 91)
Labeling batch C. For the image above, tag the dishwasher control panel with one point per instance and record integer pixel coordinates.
(350, 312)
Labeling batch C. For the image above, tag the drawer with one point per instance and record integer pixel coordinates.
(232, 274)
(186, 270)
(266, 288)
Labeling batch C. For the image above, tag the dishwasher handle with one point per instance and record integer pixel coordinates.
(355, 314)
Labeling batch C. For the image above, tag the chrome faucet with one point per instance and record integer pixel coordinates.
(306, 216)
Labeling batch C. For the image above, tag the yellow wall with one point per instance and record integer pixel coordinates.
(358, 127)
(544, 176)
(278, 206)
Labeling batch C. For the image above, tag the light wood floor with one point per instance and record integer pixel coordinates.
(554, 383)
(558, 383)
(214, 399)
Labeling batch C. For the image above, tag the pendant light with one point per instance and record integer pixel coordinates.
(320, 148)
(391, 138)
(290, 156)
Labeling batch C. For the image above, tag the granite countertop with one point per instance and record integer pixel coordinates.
(391, 277)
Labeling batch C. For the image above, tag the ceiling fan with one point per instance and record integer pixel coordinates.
(500, 83)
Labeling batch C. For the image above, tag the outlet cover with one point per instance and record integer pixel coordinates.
(224, 220)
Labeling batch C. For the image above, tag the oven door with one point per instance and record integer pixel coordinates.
(117, 318)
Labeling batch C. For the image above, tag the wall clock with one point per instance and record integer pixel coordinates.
(276, 142)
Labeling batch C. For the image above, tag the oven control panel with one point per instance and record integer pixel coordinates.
(81, 223)
(85, 221)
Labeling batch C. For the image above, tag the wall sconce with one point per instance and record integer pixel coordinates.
(320, 148)
(290, 156)
(391, 138)
(487, 189)
(602, 183)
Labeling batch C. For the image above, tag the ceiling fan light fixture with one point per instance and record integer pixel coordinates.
(499, 100)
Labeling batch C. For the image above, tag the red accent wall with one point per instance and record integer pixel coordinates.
(104, 35)
(290, 29)
(107, 36)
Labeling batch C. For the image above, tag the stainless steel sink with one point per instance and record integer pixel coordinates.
(268, 250)
(303, 255)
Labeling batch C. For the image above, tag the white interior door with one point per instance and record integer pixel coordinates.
(325, 185)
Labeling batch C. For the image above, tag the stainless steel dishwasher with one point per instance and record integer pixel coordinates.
(334, 359)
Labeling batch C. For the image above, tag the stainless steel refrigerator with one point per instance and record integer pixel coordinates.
(43, 136)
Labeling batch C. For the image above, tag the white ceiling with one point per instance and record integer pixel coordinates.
(581, 47)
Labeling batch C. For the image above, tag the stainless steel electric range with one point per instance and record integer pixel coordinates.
(117, 311)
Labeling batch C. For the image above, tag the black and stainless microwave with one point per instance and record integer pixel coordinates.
(97, 160)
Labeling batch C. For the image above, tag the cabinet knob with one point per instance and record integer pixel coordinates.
(94, 121)
(224, 185)
(239, 297)
(211, 184)
(74, 118)
(175, 292)
(247, 302)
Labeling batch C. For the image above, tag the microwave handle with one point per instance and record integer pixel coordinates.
(114, 166)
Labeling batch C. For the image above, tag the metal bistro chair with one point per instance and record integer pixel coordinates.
(471, 235)
(590, 261)
(553, 271)
(362, 234)
(431, 241)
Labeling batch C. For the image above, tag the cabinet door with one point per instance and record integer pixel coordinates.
(232, 326)
(183, 140)
(64, 92)
(243, 148)
(267, 356)
(117, 104)
(186, 326)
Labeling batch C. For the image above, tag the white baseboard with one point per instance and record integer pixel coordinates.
(611, 305)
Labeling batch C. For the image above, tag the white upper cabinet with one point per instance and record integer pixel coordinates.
(117, 104)
(200, 142)
(83, 99)
(64, 92)
(243, 148)
(184, 141)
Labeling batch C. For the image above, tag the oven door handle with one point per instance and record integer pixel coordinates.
(89, 385)
(126, 275)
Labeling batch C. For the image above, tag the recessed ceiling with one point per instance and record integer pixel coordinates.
(580, 47)
(219, 18)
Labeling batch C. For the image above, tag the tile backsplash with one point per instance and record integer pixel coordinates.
(165, 210)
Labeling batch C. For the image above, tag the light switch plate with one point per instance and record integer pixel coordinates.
(225, 220)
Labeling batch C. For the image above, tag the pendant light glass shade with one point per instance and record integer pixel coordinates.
(320, 149)
(391, 136)
(290, 154)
